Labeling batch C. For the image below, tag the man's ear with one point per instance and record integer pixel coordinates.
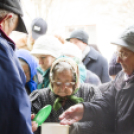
(7, 16)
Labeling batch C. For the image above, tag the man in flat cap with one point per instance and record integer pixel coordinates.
(91, 58)
(15, 111)
(117, 103)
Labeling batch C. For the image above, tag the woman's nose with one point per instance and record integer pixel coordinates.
(40, 61)
(63, 86)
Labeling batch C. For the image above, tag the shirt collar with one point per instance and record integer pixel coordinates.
(129, 78)
(85, 52)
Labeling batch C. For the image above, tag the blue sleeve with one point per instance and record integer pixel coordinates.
(15, 109)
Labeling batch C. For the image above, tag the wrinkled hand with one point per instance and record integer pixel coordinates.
(73, 114)
(34, 124)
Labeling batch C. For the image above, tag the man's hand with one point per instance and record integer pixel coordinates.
(34, 124)
(73, 114)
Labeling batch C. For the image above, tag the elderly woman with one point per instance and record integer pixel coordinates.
(64, 91)
(29, 65)
(117, 103)
(46, 49)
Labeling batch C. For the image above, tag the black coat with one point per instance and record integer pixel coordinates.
(116, 106)
(96, 63)
(42, 97)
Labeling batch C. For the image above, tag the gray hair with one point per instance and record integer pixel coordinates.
(3, 13)
(22, 62)
(62, 66)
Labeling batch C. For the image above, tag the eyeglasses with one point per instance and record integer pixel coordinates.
(123, 55)
(67, 84)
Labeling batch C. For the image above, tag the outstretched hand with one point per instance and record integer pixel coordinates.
(73, 114)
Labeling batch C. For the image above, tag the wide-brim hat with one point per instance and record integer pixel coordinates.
(126, 39)
(37, 52)
(15, 7)
(47, 45)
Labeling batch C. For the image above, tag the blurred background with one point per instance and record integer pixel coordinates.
(103, 20)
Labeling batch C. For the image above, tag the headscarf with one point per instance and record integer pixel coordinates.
(72, 97)
(29, 59)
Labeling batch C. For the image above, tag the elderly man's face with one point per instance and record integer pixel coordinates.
(77, 42)
(7, 25)
(126, 58)
(62, 83)
(45, 61)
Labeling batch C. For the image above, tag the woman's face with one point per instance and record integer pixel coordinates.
(27, 72)
(62, 83)
(45, 61)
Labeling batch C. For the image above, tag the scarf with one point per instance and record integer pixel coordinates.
(57, 103)
(45, 75)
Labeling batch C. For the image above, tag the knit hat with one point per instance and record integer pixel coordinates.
(79, 34)
(71, 49)
(126, 39)
(47, 45)
(15, 7)
(39, 28)
(114, 67)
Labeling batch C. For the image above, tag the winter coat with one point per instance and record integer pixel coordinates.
(42, 97)
(116, 106)
(15, 115)
(96, 63)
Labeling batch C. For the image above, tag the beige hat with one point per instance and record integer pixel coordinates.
(47, 45)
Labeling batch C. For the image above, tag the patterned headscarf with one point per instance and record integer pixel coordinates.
(29, 59)
(72, 97)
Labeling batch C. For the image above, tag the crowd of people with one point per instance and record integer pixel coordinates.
(72, 76)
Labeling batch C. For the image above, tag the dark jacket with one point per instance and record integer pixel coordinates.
(96, 63)
(42, 97)
(92, 78)
(116, 106)
(15, 115)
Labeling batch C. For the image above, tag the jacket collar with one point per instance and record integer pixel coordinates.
(10, 42)
(92, 55)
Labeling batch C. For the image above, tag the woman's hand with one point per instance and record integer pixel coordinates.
(34, 124)
(73, 114)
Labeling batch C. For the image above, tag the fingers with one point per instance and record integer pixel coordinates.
(66, 113)
(34, 126)
(67, 121)
(32, 116)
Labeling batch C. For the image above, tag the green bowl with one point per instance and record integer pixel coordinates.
(42, 115)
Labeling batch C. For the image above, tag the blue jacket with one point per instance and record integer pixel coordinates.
(15, 109)
(96, 63)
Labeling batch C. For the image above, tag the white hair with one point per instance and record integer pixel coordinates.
(3, 13)
(22, 62)
(62, 66)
